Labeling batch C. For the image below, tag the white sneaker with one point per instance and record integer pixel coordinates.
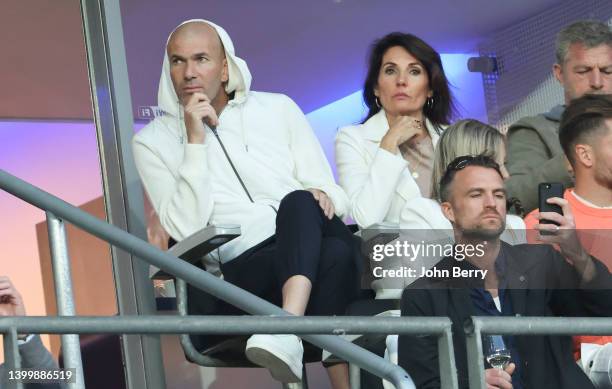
(280, 354)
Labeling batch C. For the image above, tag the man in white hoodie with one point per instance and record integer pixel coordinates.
(222, 154)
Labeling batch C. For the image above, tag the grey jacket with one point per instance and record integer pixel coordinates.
(34, 355)
(534, 156)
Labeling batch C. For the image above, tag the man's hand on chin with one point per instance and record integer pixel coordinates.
(197, 110)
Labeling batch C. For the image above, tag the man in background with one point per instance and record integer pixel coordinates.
(585, 135)
(583, 65)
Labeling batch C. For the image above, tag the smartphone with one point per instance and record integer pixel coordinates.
(547, 190)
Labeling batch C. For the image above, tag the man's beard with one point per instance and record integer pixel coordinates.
(481, 233)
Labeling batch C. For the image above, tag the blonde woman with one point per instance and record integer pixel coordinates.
(465, 137)
(422, 218)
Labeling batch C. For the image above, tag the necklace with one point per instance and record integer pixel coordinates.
(413, 172)
(405, 150)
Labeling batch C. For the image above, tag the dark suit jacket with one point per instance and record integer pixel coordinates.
(540, 283)
(34, 355)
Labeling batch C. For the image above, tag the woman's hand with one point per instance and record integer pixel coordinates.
(402, 129)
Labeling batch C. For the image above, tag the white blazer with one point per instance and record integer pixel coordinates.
(377, 182)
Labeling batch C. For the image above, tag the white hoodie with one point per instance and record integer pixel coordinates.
(269, 141)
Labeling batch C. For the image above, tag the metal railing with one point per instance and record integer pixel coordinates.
(238, 325)
(62, 280)
(312, 329)
(477, 326)
(181, 269)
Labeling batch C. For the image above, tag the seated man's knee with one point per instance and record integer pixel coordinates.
(298, 199)
(298, 196)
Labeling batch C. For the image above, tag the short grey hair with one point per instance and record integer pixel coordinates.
(591, 33)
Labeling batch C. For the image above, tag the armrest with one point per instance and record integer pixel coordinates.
(196, 246)
(380, 232)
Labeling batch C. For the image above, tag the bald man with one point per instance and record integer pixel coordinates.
(223, 154)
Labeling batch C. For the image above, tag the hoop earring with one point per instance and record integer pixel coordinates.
(377, 102)
(429, 103)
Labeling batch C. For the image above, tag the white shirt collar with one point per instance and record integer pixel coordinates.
(587, 202)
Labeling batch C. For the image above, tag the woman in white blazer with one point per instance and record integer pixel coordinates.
(387, 160)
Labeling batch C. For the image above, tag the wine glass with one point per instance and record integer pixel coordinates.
(496, 352)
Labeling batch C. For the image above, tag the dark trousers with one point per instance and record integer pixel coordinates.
(306, 243)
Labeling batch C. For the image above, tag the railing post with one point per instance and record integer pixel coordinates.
(62, 277)
(446, 359)
(475, 356)
(11, 355)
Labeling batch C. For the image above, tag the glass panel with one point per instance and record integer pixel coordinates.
(48, 138)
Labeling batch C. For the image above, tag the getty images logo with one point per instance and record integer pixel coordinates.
(149, 112)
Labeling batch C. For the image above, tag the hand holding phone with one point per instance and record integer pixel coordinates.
(564, 236)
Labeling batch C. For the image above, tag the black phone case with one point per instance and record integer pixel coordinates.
(547, 190)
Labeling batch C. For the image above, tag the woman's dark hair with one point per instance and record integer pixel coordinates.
(443, 108)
